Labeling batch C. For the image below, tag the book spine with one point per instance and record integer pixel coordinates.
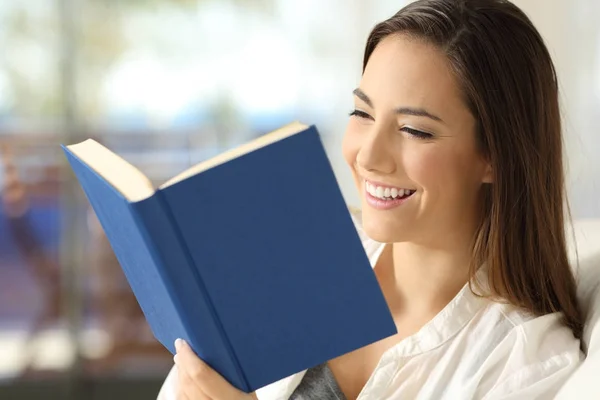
(139, 214)
(208, 301)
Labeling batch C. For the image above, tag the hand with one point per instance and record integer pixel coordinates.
(197, 381)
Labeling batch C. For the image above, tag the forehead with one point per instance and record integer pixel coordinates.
(403, 71)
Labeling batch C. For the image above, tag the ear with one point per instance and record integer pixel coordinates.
(488, 175)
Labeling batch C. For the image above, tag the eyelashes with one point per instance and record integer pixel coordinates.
(417, 133)
(413, 132)
(360, 114)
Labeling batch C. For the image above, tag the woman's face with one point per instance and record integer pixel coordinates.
(411, 146)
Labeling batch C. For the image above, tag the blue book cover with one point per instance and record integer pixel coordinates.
(252, 256)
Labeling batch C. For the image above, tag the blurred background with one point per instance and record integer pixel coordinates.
(169, 83)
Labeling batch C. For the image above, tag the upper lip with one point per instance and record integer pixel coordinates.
(384, 185)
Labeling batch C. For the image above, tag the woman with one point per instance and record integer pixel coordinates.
(457, 113)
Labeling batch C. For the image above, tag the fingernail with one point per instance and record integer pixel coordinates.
(178, 344)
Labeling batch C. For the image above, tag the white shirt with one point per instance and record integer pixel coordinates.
(473, 349)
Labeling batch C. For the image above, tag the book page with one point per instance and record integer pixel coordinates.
(262, 141)
(123, 176)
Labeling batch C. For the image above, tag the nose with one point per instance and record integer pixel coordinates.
(375, 154)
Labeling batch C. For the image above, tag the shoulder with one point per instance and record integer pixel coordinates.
(543, 336)
(530, 356)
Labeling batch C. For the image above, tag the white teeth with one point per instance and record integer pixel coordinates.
(371, 189)
(386, 193)
(374, 191)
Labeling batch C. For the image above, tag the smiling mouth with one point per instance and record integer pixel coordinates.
(388, 193)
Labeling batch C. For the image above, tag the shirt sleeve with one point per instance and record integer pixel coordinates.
(168, 391)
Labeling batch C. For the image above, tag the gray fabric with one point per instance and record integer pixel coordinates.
(318, 384)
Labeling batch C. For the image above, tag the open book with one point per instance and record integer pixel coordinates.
(251, 256)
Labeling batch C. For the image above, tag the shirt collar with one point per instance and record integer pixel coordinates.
(446, 324)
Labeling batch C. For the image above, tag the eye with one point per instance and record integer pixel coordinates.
(360, 114)
(416, 133)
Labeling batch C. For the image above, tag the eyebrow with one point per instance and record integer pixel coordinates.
(417, 112)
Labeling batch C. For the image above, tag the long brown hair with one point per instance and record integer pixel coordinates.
(510, 86)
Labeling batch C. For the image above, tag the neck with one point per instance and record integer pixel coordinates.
(423, 279)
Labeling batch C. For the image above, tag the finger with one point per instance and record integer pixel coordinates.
(211, 383)
(197, 396)
(180, 393)
(187, 387)
(182, 396)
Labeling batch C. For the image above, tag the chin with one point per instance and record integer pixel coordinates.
(382, 230)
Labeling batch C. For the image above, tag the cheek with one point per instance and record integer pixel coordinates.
(446, 174)
(426, 167)
(440, 170)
